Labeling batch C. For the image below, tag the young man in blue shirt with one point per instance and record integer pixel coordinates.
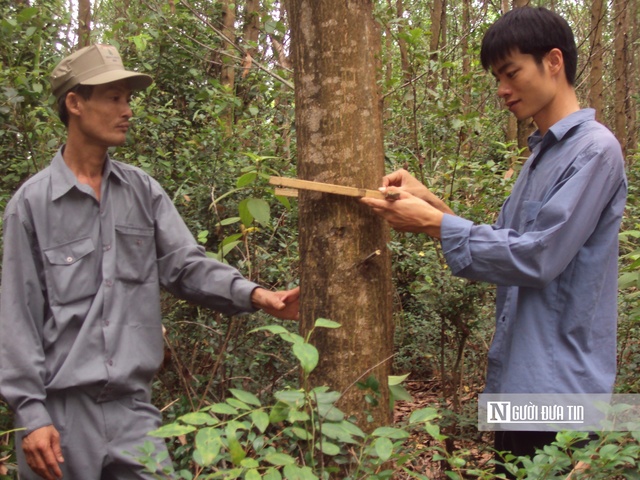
(553, 252)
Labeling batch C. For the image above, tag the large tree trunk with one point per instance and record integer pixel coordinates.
(596, 98)
(336, 52)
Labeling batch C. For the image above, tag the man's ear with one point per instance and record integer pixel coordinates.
(555, 61)
(73, 103)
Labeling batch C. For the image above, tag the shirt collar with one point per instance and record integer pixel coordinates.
(559, 130)
(64, 179)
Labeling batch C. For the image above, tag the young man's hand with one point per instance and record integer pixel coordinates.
(283, 304)
(410, 184)
(408, 213)
(43, 453)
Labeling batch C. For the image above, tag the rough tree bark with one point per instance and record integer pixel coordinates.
(621, 71)
(336, 52)
(84, 23)
(596, 97)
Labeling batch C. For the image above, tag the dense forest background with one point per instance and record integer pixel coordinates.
(219, 120)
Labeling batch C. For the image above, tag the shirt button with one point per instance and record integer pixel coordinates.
(110, 362)
(108, 283)
(69, 259)
(138, 242)
(106, 248)
(106, 323)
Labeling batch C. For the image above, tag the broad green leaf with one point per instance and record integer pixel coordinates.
(292, 472)
(308, 356)
(272, 474)
(390, 432)
(325, 397)
(279, 459)
(223, 409)
(398, 392)
(297, 416)
(229, 221)
(397, 379)
(260, 210)
(290, 397)
(250, 463)
(434, 431)
(325, 323)
(208, 444)
(384, 448)
(292, 338)
(330, 413)
(235, 450)
(423, 415)
(234, 402)
(246, 179)
(245, 215)
(301, 433)
(198, 418)
(328, 448)
(172, 430)
(252, 474)
(337, 431)
(260, 419)
(246, 397)
(279, 412)
(352, 428)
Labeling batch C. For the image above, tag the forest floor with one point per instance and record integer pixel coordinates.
(476, 448)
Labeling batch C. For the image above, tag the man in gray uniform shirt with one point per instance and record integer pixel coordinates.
(88, 242)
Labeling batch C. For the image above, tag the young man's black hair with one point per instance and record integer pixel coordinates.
(533, 31)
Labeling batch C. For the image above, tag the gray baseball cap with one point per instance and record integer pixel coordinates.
(94, 65)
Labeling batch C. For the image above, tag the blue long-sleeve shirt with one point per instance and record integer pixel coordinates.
(81, 280)
(553, 253)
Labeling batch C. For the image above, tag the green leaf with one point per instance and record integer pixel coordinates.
(329, 448)
(398, 392)
(260, 210)
(245, 214)
(229, 221)
(279, 412)
(272, 474)
(290, 397)
(198, 418)
(308, 356)
(423, 415)
(292, 472)
(246, 397)
(384, 448)
(246, 179)
(252, 475)
(250, 463)
(330, 413)
(324, 323)
(279, 459)
(235, 450)
(172, 430)
(234, 402)
(397, 379)
(390, 432)
(337, 432)
(208, 444)
(260, 419)
(301, 433)
(223, 409)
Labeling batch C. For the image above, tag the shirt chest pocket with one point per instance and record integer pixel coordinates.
(71, 271)
(136, 254)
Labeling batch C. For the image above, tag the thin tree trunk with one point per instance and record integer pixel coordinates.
(228, 72)
(345, 268)
(596, 97)
(620, 68)
(84, 23)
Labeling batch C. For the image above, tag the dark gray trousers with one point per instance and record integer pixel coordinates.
(101, 441)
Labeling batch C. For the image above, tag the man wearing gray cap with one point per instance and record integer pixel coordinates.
(88, 242)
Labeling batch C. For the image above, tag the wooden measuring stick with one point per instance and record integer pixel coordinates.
(298, 184)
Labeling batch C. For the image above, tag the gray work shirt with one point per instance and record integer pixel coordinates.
(553, 253)
(81, 279)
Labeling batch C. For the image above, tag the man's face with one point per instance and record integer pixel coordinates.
(526, 86)
(104, 117)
